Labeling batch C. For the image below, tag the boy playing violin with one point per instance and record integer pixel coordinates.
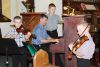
(17, 33)
(85, 52)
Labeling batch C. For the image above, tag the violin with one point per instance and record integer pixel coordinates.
(21, 29)
(80, 42)
(77, 45)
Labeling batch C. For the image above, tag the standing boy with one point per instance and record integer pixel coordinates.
(52, 22)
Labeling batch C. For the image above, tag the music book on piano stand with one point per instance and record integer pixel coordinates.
(5, 28)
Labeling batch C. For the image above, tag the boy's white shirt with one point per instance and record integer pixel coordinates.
(86, 45)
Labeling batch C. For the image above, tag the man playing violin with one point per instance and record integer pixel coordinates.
(86, 49)
(18, 34)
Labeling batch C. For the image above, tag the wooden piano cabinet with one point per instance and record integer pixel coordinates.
(59, 49)
(30, 20)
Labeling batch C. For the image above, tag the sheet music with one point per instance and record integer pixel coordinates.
(5, 27)
(90, 7)
(60, 30)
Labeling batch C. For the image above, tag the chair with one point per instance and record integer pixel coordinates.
(41, 59)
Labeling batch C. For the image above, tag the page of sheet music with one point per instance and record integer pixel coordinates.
(5, 27)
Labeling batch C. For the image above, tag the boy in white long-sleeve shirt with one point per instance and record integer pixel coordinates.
(85, 52)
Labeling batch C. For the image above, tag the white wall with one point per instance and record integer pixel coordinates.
(21, 7)
(42, 5)
(17, 7)
(13, 8)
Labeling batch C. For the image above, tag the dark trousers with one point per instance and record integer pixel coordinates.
(20, 59)
(53, 33)
(83, 63)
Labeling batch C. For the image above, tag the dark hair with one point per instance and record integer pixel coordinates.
(51, 5)
(17, 17)
(43, 16)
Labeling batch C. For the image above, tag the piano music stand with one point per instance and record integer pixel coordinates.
(8, 47)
